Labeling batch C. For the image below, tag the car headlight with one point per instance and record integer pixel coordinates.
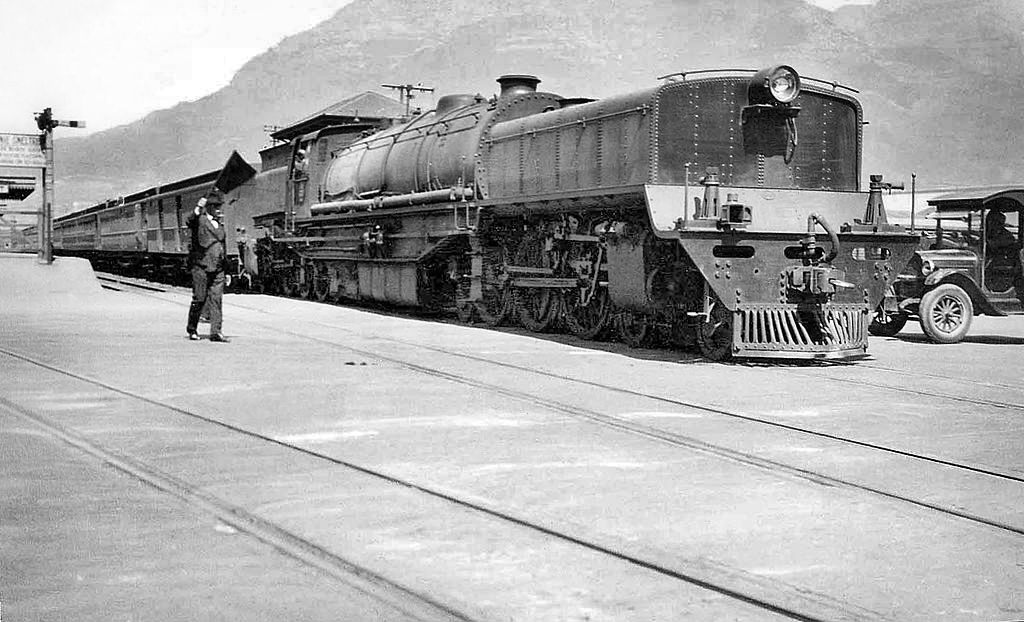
(927, 267)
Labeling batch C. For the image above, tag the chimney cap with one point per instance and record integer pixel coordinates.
(518, 79)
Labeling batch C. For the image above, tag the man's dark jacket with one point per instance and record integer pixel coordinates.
(207, 249)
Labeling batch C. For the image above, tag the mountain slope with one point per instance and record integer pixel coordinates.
(937, 104)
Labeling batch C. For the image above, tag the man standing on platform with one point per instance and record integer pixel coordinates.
(206, 258)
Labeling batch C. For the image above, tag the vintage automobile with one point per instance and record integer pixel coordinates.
(971, 265)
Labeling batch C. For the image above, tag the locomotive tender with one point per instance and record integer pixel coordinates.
(720, 209)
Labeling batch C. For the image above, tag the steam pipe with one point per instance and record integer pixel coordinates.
(398, 200)
(816, 218)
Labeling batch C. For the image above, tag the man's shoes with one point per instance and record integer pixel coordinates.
(219, 338)
(192, 336)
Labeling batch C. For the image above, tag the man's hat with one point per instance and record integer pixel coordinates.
(214, 198)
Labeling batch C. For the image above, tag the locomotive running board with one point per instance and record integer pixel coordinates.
(778, 330)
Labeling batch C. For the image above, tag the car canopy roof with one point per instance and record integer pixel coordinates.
(958, 204)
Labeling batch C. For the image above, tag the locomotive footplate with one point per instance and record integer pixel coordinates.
(805, 331)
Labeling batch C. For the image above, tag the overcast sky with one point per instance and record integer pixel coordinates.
(110, 62)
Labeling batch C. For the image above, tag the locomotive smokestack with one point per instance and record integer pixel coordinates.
(517, 84)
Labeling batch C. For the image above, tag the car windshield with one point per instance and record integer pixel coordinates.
(956, 230)
(963, 229)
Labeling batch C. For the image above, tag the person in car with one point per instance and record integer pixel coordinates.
(1000, 242)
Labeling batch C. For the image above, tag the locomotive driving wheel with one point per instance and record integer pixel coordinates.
(634, 329)
(588, 307)
(714, 333)
(538, 307)
(497, 300)
(587, 320)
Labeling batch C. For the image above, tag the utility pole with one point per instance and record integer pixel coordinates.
(913, 199)
(46, 123)
(406, 92)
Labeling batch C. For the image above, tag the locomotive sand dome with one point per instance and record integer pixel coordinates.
(690, 210)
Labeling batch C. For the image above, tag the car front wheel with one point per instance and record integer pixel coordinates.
(946, 313)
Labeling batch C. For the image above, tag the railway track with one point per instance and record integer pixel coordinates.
(892, 371)
(799, 367)
(679, 440)
(416, 604)
(771, 596)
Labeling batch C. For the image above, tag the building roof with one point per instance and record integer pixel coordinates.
(367, 105)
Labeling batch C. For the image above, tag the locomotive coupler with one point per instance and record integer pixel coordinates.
(815, 280)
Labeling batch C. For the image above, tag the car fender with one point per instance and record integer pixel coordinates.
(946, 275)
(964, 282)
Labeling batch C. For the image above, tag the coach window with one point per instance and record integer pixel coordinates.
(179, 222)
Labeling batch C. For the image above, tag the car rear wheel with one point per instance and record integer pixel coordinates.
(886, 324)
(946, 313)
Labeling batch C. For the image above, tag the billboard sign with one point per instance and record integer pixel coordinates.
(21, 150)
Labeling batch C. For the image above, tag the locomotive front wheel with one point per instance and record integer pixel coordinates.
(714, 336)
(886, 324)
(634, 329)
(321, 283)
(289, 287)
(292, 281)
(946, 313)
(305, 284)
(497, 302)
(495, 308)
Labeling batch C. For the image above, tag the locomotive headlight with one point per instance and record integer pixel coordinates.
(774, 85)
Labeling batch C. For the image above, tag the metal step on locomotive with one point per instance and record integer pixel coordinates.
(721, 209)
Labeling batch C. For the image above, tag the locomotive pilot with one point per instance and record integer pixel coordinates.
(207, 254)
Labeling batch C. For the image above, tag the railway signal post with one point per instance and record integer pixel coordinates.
(46, 124)
(407, 92)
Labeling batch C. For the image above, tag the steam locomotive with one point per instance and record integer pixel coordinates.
(689, 212)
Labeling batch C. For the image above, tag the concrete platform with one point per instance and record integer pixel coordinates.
(26, 277)
(324, 389)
